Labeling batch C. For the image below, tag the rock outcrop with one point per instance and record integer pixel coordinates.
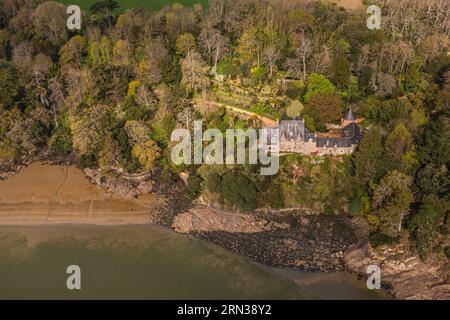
(313, 243)
(207, 219)
(406, 276)
(117, 186)
(8, 168)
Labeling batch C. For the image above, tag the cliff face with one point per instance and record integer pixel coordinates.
(405, 274)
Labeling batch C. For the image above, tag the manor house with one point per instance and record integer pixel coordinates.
(294, 137)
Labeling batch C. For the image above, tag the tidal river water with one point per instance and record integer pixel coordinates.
(142, 262)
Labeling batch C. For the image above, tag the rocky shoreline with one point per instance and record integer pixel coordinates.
(279, 238)
(404, 275)
(325, 243)
(11, 167)
(310, 243)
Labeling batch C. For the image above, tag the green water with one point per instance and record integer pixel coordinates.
(139, 262)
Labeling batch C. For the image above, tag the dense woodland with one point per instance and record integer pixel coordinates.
(110, 95)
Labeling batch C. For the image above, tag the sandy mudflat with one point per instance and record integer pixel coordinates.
(47, 194)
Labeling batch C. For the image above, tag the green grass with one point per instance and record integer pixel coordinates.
(152, 5)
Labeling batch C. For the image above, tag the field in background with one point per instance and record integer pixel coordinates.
(127, 4)
(348, 4)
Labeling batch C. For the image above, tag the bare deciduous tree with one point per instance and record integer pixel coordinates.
(214, 44)
(145, 98)
(383, 84)
(271, 55)
(394, 58)
(303, 49)
(194, 71)
(186, 118)
(56, 97)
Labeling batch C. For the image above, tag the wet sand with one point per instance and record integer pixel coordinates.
(49, 194)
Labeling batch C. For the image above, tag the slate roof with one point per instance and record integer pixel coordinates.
(291, 129)
(350, 135)
(309, 136)
(295, 129)
(348, 115)
(333, 142)
(353, 132)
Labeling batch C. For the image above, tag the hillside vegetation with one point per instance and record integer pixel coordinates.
(152, 5)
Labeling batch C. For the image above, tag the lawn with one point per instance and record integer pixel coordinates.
(152, 5)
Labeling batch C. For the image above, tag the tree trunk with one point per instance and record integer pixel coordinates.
(400, 223)
(304, 67)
